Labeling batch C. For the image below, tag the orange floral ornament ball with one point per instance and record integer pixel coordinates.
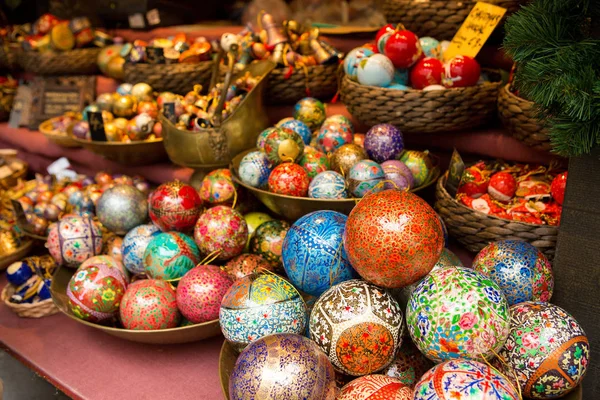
(371, 387)
(393, 238)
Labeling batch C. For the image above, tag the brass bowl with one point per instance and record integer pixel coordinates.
(26, 230)
(184, 334)
(19, 253)
(63, 140)
(214, 148)
(292, 208)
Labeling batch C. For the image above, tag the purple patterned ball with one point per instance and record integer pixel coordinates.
(384, 142)
(398, 175)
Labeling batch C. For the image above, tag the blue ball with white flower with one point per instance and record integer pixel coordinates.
(328, 185)
(134, 245)
(255, 168)
(300, 128)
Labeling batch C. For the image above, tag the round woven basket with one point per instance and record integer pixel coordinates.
(176, 78)
(28, 310)
(63, 140)
(519, 117)
(418, 111)
(475, 230)
(72, 62)
(439, 19)
(9, 57)
(319, 81)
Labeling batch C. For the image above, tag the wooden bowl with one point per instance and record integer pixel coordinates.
(292, 207)
(184, 334)
(63, 140)
(19, 253)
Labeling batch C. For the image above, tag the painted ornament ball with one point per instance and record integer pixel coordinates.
(134, 246)
(289, 179)
(547, 349)
(112, 247)
(221, 231)
(262, 137)
(520, 269)
(149, 304)
(174, 206)
(455, 312)
(300, 128)
(314, 162)
(246, 264)
(358, 325)
(122, 208)
(393, 238)
(310, 111)
(333, 135)
(283, 145)
(345, 157)
(384, 142)
(448, 259)
(282, 366)
(217, 187)
(366, 176)
(370, 387)
(419, 163)
(465, 380)
(398, 175)
(409, 365)
(328, 185)
(340, 119)
(95, 291)
(254, 219)
(258, 305)
(74, 239)
(169, 255)
(200, 291)
(353, 59)
(376, 70)
(313, 255)
(254, 169)
(109, 261)
(267, 241)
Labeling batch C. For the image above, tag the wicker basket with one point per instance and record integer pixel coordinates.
(439, 19)
(9, 57)
(176, 78)
(319, 81)
(519, 117)
(72, 62)
(418, 111)
(63, 140)
(475, 230)
(41, 309)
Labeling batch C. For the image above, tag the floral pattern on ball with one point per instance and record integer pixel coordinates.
(217, 187)
(221, 231)
(267, 241)
(300, 128)
(365, 177)
(358, 325)
(200, 291)
(455, 312)
(310, 111)
(409, 365)
(314, 162)
(149, 304)
(384, 142)
(283, 145)
(174, 206)
(332, 136)
(134, 246)
(246, 264)
(74, 239)
(464, 379)
(419, 164)
(375, 387)
(547, 349)
(344, 158)
(254, 169)
(521, 270)
(170, 255)
(289, 179)
(328, 185)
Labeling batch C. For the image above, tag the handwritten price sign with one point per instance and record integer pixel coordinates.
(475, 31)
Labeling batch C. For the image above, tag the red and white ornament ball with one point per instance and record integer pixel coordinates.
(461, 71)
(502, 186)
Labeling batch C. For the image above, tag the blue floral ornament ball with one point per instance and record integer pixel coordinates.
(300, 128)
(255, 168)
(328, 185)
(366, 176)
(134, 245)
(313, 254)
(262, 137)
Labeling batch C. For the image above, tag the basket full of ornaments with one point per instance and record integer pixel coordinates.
(404, 80)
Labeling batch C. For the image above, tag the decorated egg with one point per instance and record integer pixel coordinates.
(558, 186)
(314, 162)
(430, 46)
(112, 247)
(353, 58)
(300, 128)
(267, 241)
(149, 304)
(262, 137)
(340, 119)
(246, 264)
(310, 111)
(289, 179)
(74, 239)
(455, 312)
(376, 70)
(95, 291)
(282, 366)
(254, 169)
(365, 176)
(346, 156)
(409, 365)
(393, 238)
(521, 270)
(221, 231)
(121, 208)
(259, 305)
(419, 163)
(313, 255)
(134, 246)
(283, 145)
(384, 142)
(397, 175)
(170, 255)
(328, 185)
(355, 321)
(333, 135)
(218, 187)
(174, 206)
(371, 387)
(200, 291)
(547, 349)
(465, 380)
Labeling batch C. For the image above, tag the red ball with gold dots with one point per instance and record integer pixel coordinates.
(174, 206)
(217, 187)
(393, 238)
(246, 264)
(221, 231)
(557, 189)
(200, 291)
(289, 179)
(149, 304)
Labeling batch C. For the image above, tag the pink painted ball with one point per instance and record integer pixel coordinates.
(149, 304)
(200, 291)
(223, 230)
(371, 387)
(289, 179)
(74, 239)
(217, 187)
(246, 264)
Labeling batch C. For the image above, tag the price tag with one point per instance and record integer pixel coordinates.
(475, 31)
(19, 213)
(97, 126)
(455, 172)
(169, 112)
